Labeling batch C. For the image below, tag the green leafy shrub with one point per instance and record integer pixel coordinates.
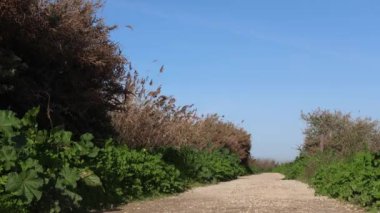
(356, 180)
(304, 167)
(49, 171)
(204, 166)
(129, 174)
(41, 170)
(292, 170)
(338, 157)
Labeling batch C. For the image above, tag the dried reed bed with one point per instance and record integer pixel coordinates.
(151, 120)
(78, 76)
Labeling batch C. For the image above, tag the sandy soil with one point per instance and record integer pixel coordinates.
(256, 193)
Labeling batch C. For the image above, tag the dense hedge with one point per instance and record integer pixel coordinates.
(204, 166)
(340, 157)
(355, 179)
(48, 171)
(131, 174)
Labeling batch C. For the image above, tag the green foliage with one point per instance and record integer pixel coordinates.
(47, 171)
(130, 174)
(205, 166)
(8, 157)
(8, 120)
(26, 184)
(292, 170)
(338, 157)
(356, 180)
(57, 55)
(304, 167)
(40, 169)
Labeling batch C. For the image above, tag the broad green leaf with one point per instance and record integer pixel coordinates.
(90, 179)
(8, 121)
(376, 194)
(29, 118)
(31, 164)
(93, 152)
(73, 196)
(87, 137)
(26, 184)
(62, 137)
(86, 147)
(68, 177)
(3, 180)
(8, 157)
(66, 137)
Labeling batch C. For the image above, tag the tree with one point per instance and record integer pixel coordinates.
(339, 132)
(57, 54)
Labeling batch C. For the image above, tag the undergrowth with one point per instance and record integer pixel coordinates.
(51, 171)
(355, 179)
(340, 158)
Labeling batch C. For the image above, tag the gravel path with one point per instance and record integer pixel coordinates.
(256, 193)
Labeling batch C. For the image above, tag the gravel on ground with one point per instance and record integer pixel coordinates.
(266, 192)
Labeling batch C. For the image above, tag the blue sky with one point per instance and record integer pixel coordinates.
(259, 61)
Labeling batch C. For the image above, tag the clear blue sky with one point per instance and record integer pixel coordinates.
(259, 61)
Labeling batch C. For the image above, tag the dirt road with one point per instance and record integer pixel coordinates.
(256, 193)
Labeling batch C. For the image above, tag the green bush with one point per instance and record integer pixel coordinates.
(49, 171)
(356, 180)
(131, 174)
(204, 166)
(338, 157)
(304, 167)
(292, 170)
(42, 170)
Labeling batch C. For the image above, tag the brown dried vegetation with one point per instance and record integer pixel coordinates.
(340, 133)
(263, 165)
(57, 54)
(151, 120)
